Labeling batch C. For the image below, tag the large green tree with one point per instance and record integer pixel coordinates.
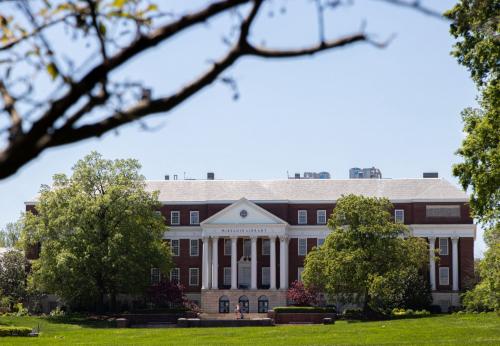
(13, 276)
(367, 258)
(9, 236)
(99, 233)
(475, 25)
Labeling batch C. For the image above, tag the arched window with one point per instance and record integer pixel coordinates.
(263, 304)
(223, 305)
(244, 304)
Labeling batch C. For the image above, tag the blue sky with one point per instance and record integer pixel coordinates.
(396, 108)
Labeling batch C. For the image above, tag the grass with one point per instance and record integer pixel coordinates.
(456, 329)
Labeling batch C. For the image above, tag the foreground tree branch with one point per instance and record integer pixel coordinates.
(62, 119)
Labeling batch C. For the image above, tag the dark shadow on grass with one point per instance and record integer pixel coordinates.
(84, 321)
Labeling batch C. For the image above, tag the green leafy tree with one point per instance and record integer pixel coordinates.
(11, 234)
(99, 233)
(366, 256)
(13, 276)
(475, 24)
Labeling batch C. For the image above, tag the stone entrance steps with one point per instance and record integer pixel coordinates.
(231, 316)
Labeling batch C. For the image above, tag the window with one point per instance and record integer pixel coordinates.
(175, 276)
(399, 216)
(194, 217)
(247, 248)
(266, 247)
(444, 276)
(155, 275)
(443, 246)
(266, 276)
(223, 305)
(321, 217)
(227, 247)
(302, 246)
(194, 247)
(175, 217)
(194, 275)
(320, 241)
(442, 210)
(263, 304)
(300, 270)
(227, 276)
(175, 247)
(302, 217)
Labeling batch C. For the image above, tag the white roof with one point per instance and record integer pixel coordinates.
(304, 190)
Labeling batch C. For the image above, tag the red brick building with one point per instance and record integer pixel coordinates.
(245, 241)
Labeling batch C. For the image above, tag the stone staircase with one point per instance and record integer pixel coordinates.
(231, 316)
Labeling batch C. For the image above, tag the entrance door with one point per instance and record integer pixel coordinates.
(244, 304)
(244, 273)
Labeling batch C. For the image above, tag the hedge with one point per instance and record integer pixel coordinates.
(304, 309)
(14, 331)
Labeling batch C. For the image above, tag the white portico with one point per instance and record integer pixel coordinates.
(244, 219)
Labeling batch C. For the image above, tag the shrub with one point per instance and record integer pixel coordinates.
(167, 294)
(57, 312)
(301, 295)
(14, 331)
(304, 309)
(21, 310)
(401, 313)
(479, 299)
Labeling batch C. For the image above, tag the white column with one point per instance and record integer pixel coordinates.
(283, 263)
(272, 259)
(432, 263)
(454, 263)
(205, 265)
(234, 264)
(215, 263)
(209, 268)
(253, 281)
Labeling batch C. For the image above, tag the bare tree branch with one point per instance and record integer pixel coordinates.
(57, 124)
(415, 5)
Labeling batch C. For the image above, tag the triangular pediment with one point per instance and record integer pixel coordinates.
(243, 211)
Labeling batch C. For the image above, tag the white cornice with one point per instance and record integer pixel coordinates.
(414, 200)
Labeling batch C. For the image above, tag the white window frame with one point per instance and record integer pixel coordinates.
(300, 270)
(177, 272)
(175, 249)
(304, 212)
(442, 248)
(299, 240)
(443, 270)
(268, 247)
(266, 273)
(172, 213)
(197, 276)
(155, 273)
(193, 213)
(321, 214)
(227, 248)
(318, 242)
(402, 218)
(226, 275)
(191, 247)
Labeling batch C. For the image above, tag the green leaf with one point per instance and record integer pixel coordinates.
(52, 71)
(119, 3)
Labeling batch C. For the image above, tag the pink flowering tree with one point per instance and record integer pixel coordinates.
(301, 295)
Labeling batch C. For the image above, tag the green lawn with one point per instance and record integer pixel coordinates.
(467, 329)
